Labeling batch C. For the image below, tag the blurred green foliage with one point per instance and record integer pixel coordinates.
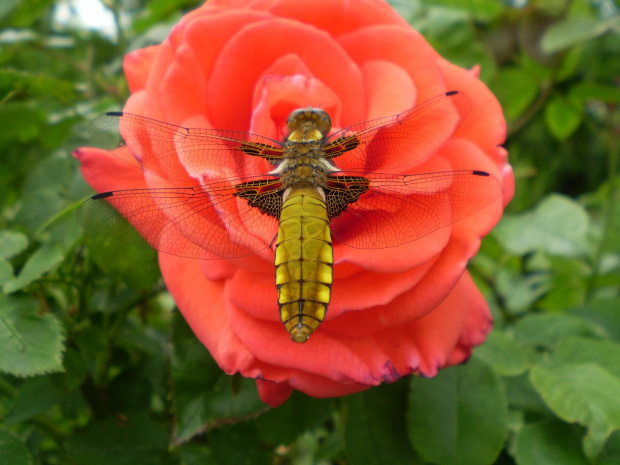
(96, 368)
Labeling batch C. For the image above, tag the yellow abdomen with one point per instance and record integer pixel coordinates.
(304, 263)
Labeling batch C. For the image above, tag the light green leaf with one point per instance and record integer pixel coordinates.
(548, 443)
(458, 417)
(575, 30)
(546, 330)
(562, 118)
(12, 243)
(12, 450)
(584, 393)
(585, 350)
(558, 225)
(42, 261)
(506, 356)
(30, 343)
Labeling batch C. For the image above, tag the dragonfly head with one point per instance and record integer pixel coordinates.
(308, 124)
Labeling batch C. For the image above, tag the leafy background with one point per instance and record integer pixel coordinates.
(96, 367)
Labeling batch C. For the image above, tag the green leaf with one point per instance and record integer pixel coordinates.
(12, 243)
(6, 272)
(375, 426)
(13, 450)
(134, 440)
(299, 413)
(43, 260)
(549, 443)
(136, 266)
(506, 356)
(611, 453)
(603, 314)
(562, 118)
(30, 343)
(516, 90)
(458, 417)
(32, 398)
(203, 394)
(238, 445)
(584, 350)
(558, 226)
(584, 393)
(593, 90)
(574, 31)
(546, 330)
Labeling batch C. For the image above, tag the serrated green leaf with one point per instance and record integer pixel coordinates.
(45, 259)
(587, 350)
(558, 225)
(575, 30)
(562, 118)
(12, 450)
(506, 356)
(458, 417)
(375, 430)
(32, 398)
(584, 393)
(202, 393)
(133, 440)
(546, 330)
(593, 90)
(548, 443)
(12, 243)
(30, 343)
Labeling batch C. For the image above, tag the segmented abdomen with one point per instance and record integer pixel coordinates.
(304, 261)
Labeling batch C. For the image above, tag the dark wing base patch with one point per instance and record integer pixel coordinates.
(342, 191)
(264, 194)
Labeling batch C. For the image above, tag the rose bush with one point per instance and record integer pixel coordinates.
(244, 65)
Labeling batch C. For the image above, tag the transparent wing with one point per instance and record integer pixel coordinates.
(401, 140)
(205, 222)
(397, 209)
(178, 153)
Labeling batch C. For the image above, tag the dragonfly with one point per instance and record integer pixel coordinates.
(221, 194)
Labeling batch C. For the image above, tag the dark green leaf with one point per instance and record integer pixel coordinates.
(375, 428)
(590, 90)
(458, 417)
(549, 443)
(42, 261)
(203, 395)
(299, 413)
(30, 343)
(237, 445)
(133, 440)
(136, 266)
(33, 397)
(12, 450)
(12, 243)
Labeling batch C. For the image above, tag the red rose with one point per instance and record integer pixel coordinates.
(241, 65)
